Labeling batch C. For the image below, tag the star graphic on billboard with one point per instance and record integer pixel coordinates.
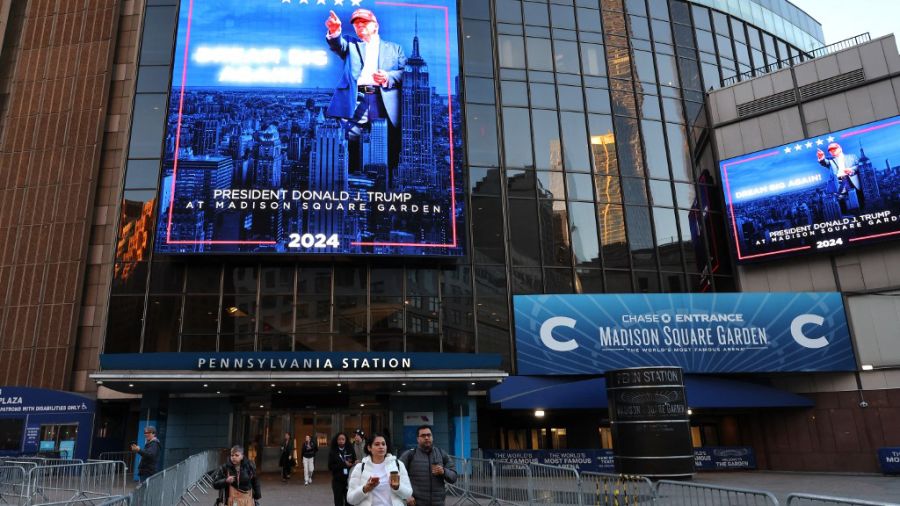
(819, 142)
(320, 2)
(338, 2)
(808, 144)
(830, 138)
(304, 2)
(787, 149)
(285, 1)
(355, 3)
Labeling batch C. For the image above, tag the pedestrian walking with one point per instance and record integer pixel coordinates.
(286, 460)
(310, 448)
(430, 468)
(340, 460)
(380, 479)
(237, 480)
(359, 444)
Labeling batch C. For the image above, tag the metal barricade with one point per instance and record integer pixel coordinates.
(679, 493)
(511, 483)
(74, 483)
(553, 485)
(122, 500)
(179, 484)
(126, 457)
(824, 500)
(479, 482)
(606, 489)
(457, 489)
(13, 489)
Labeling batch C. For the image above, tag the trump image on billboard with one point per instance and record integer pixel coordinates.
(313, 127)
(826, 193)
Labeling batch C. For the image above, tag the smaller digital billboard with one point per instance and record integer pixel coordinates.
(825, 193)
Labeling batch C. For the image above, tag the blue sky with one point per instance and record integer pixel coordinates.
(880, 144)
(276, 23)
(841, 19)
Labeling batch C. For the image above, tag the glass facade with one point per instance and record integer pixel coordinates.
(589, 170)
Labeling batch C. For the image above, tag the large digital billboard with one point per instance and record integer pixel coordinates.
(313, 127)
(826, 193)
(699, 332)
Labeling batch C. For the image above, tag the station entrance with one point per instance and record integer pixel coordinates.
(263, 432)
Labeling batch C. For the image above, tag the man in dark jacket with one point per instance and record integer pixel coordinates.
(150, 453)
(429, 468)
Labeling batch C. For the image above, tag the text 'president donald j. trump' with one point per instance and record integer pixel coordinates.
(369, 87)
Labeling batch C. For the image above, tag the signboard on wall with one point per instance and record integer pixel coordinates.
(825, 193)
(311, 127)
(701, 333)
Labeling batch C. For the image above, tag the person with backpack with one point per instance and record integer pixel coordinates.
(237, 481)
(429, 469)
(380, 479)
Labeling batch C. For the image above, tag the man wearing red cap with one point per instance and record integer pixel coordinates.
(843, 167)
(369, 87)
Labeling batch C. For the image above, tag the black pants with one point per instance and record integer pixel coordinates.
(339, 489)
(286, 471)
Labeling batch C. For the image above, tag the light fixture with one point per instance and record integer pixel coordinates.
(473, 383)
(99, 382)
(261, 406)
(218, 391)
(539, 413)
(273, 385)
(690, 411)
(205, 385)
(279, 391)
(403, 384)
(131, 385)
(399, 391)
(362, 405)
(340, 391)
(338, 384)
(867, 367)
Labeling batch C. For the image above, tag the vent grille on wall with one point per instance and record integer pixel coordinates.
(788, 98)
(832, 84)
(770, 103)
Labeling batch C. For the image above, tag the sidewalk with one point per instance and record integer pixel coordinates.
(868, 487)
(871, 487)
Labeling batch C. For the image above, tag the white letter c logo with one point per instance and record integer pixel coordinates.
(800, 337)
(547, 334)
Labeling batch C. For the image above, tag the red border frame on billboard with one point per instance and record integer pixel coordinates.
(454, 244)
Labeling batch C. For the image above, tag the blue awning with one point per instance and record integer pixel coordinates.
(541, 392)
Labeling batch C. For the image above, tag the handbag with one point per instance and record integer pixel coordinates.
(238, 498)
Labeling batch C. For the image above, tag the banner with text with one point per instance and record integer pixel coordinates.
(313, 128)
(701, 333)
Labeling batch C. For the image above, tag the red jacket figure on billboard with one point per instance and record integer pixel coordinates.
(844, 168)
(369, 88)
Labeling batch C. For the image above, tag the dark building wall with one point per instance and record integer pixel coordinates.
(58, 58)
(834, 436)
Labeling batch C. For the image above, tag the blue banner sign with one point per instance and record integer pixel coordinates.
(313, 128)
(724, 458)
(889, 460)
(63, 418)
(596, 461)
(825, 193)
(701, 333)
(297, 361)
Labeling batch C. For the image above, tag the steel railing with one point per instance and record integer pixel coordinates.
(680, 493)
(180, 483)
(823, 500)
(125, 456)
(607, 489)
(800, 58)
(79, 483)
(13, 484)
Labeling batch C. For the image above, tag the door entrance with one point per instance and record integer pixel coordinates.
(262, 433)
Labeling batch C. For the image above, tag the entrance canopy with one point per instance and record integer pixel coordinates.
(541, 392)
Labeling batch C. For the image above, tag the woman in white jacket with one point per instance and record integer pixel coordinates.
(380, 479)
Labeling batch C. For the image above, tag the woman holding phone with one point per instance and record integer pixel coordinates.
(380, 479)
(340, 460)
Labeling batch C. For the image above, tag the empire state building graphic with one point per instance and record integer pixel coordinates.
(417, 168)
